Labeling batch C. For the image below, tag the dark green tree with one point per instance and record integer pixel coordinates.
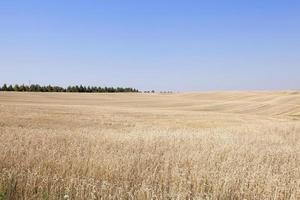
(16, 88)
(10, 88)
(50, 88)
(4, 87)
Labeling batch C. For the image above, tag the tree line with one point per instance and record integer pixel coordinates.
(76, 88)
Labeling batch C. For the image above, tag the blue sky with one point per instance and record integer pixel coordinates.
(189, 45)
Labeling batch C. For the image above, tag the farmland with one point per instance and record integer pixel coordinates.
(216, 145)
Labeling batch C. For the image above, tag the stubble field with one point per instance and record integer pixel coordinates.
(218, 145)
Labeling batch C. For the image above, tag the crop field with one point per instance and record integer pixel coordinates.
(216, 145)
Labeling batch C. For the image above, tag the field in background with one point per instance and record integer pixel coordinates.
(223, 145)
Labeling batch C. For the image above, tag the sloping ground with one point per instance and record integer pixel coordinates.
(224, 145)
(274, 104)
(259, 103)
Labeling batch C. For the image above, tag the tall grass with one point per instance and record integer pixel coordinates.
(250, 162)
(137, 146)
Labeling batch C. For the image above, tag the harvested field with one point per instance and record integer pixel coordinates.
(217, 145)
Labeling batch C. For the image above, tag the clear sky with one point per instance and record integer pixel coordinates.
(187, 45)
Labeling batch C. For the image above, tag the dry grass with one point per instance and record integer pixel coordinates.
(150, 146)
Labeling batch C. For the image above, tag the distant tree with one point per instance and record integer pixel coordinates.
(100, 89)
(77, 88)
(16, 88)
(80, 89)
(55, 89)
(4, 87)
(32, 88)
(43, 89)
(88, 89)
(10, 88)
(38, 88)
(27, 88)
(21, 88)
(50, 88)
(94, 89)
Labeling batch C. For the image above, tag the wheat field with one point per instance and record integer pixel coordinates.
(216, 145)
